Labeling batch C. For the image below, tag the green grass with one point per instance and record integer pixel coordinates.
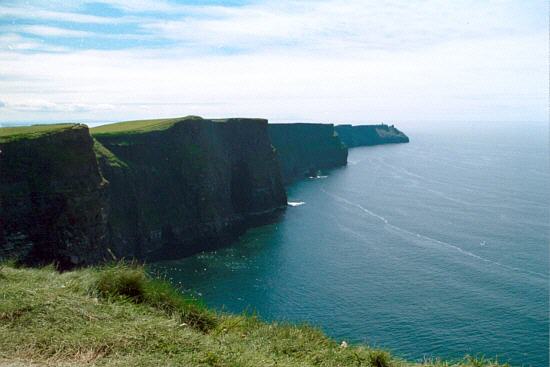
(102, 152)
(140, 126)
(8, 134)
(144, 126)
(120, 316)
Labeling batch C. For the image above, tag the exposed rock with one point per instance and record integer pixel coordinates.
(187, 185)
(174, 187)
(52, 197)
(354, 136)
(157, 188)
(304, 149)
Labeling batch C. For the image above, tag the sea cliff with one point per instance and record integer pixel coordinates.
(362, 135)
(141, 189)
(304, 149)
(180, 186)
(154, 189)
(52, 196)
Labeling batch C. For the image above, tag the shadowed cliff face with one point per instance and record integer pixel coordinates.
(52, 199)
(145, 190)
(304, 148)
(354, 136)
(190, 187)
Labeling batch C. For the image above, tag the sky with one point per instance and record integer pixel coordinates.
(340, 61)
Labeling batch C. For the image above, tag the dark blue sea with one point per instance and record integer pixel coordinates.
(439, 247)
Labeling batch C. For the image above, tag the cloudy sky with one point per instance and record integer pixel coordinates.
(327, 60)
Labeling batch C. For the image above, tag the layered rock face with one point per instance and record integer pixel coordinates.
(146, 189)
(155, 189)
(188, 186)
(52, 198)
(304, 149)
(354, 136)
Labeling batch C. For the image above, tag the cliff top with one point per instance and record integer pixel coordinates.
(8, 134)
(144, 126)
(382, 125)
(140, 126)
(119, 315)
(306, 124)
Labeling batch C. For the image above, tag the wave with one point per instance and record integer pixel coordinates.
(430, 239)
(353, 163)
(423, 178)
(296, 203)
(450, 198)
(446, 196)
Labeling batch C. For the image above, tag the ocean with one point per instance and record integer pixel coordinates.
(436, 248)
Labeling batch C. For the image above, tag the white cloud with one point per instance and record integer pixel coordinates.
(16, 43)
(337, 25)
(48, 31)
(43, 105)
(144, 5)
(36, 13)
(491, 79)
(351, 61)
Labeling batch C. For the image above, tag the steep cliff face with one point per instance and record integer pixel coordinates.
(185, 185)
(354, 136)
(304, 148)
(52, 196)
(146, 189)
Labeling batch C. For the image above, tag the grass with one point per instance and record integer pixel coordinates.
(102, 152)
(139, 126)
(144, 126)
(8, 134)
(120, 316)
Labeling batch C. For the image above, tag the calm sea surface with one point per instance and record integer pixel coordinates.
(439, 247)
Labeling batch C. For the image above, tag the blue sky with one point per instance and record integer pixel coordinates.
(327, 60)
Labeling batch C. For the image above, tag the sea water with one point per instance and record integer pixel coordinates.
(439, 247)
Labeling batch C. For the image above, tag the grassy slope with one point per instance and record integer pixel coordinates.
(144, 126)
(139, 126)
(102, 152)
(31, 132)
(129, 127)
(118, 316)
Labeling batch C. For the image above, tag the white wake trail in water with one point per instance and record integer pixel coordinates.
(430, 239)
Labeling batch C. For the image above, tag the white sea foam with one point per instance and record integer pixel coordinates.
(296, 203)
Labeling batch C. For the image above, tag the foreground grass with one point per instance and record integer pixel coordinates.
(119, 316)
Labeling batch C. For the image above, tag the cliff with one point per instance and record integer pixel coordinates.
(179, 186)
(141, 189)
(354, 136)
(52, 196)
(303, 149)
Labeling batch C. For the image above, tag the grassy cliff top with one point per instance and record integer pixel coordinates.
(300, 124)
(144, 126)
(32, 132)
(140, 126)
(120, 316)
(370, 126)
